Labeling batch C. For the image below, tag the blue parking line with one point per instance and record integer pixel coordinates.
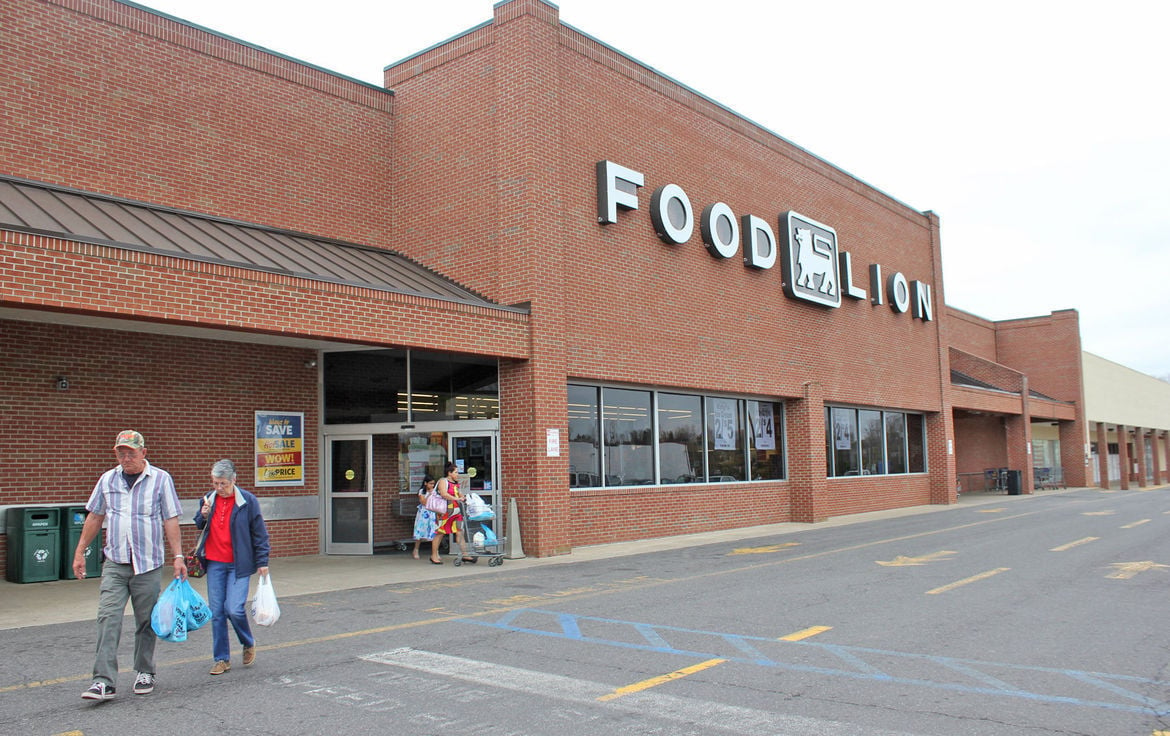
(857, 660)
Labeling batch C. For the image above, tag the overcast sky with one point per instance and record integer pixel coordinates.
(1037, 130)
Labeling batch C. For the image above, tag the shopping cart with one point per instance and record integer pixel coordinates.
(480, 536)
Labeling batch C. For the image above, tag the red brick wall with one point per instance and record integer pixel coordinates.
(979, 443)
(987, 371)
(193, 400)
(1048, 349)
(487, 174)
(613, 303)
(147, 108)
(971, 334)
(875, 493)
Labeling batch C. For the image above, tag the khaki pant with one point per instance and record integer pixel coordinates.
(120, 584)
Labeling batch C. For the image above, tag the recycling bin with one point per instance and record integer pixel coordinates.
(34, 545)
(72, 520)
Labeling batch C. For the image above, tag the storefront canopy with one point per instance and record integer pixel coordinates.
(43, 209)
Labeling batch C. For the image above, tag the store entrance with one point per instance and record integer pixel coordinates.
(372, 479)
(349, 497)
(475, 453)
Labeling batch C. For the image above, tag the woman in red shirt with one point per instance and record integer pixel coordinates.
(234, 545)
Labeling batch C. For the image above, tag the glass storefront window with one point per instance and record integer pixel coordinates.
(844, 439)
(365, 386)
(916, 443)
(625, 416)
(584, 437)
(445, 386)
(680, 438)
(891, 442)
(873, 461)
(620, 436)
(896, 441)
(766, 440)
(371, 386)
(725, 440)
(420, 454)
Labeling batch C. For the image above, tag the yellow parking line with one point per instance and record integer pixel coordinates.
(654, 681)
(1077, 543)
(1136, 523)
(965, 581)
(805, 633)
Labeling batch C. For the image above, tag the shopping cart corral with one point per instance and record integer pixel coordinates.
(974, 483)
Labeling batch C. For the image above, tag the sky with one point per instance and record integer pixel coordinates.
(1037, 130)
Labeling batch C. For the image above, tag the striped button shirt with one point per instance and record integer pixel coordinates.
(135, 515)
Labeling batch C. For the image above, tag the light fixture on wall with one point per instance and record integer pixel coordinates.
(311, 363)
(62, 383)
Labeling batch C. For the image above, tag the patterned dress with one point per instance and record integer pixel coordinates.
(451, 522)
(424, 524)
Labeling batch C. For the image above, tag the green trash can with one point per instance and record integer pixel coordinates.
(72, 520)
(34, 545)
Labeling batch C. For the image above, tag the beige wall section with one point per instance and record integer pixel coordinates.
(1120, 395)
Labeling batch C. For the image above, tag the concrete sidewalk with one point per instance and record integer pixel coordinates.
(60, 601)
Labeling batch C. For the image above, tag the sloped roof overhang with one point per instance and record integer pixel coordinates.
(292, 258)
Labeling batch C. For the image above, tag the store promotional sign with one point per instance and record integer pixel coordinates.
(280, 443)
(814, 268)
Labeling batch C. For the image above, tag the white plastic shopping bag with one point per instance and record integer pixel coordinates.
(265, 609)
(478, 509)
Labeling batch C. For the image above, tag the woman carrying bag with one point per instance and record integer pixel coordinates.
(452, 521)
(424, 519)
(234, 547)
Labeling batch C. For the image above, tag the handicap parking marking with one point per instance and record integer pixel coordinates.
(1106, 691)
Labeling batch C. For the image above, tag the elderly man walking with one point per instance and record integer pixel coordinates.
(140, 507)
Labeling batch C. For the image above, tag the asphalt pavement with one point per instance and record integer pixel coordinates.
(62, 601)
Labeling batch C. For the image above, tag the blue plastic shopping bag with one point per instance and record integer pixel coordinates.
(169, 616)
(198, 612)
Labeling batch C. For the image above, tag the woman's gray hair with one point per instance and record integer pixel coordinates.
(224, 469)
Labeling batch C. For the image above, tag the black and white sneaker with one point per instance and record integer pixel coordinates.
(99, 691)
(144, 685)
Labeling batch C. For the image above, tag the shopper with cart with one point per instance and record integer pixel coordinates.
(452, 521)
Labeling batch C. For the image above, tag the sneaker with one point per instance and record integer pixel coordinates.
(99, 691)
(249, 656)
(144, 685)
(221, 666)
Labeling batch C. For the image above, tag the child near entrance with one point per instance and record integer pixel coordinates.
(424, 519)
(452, 521)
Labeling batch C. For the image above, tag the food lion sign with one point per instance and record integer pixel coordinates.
(814, 268)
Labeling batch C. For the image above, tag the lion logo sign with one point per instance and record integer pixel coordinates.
(810, 261)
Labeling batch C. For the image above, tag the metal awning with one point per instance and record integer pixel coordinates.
(59, 212)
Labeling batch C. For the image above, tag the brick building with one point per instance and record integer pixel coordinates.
(582, 281)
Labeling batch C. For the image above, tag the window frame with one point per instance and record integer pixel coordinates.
(745, 438)
(911, 423)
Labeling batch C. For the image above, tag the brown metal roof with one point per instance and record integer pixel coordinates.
(44, 209)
